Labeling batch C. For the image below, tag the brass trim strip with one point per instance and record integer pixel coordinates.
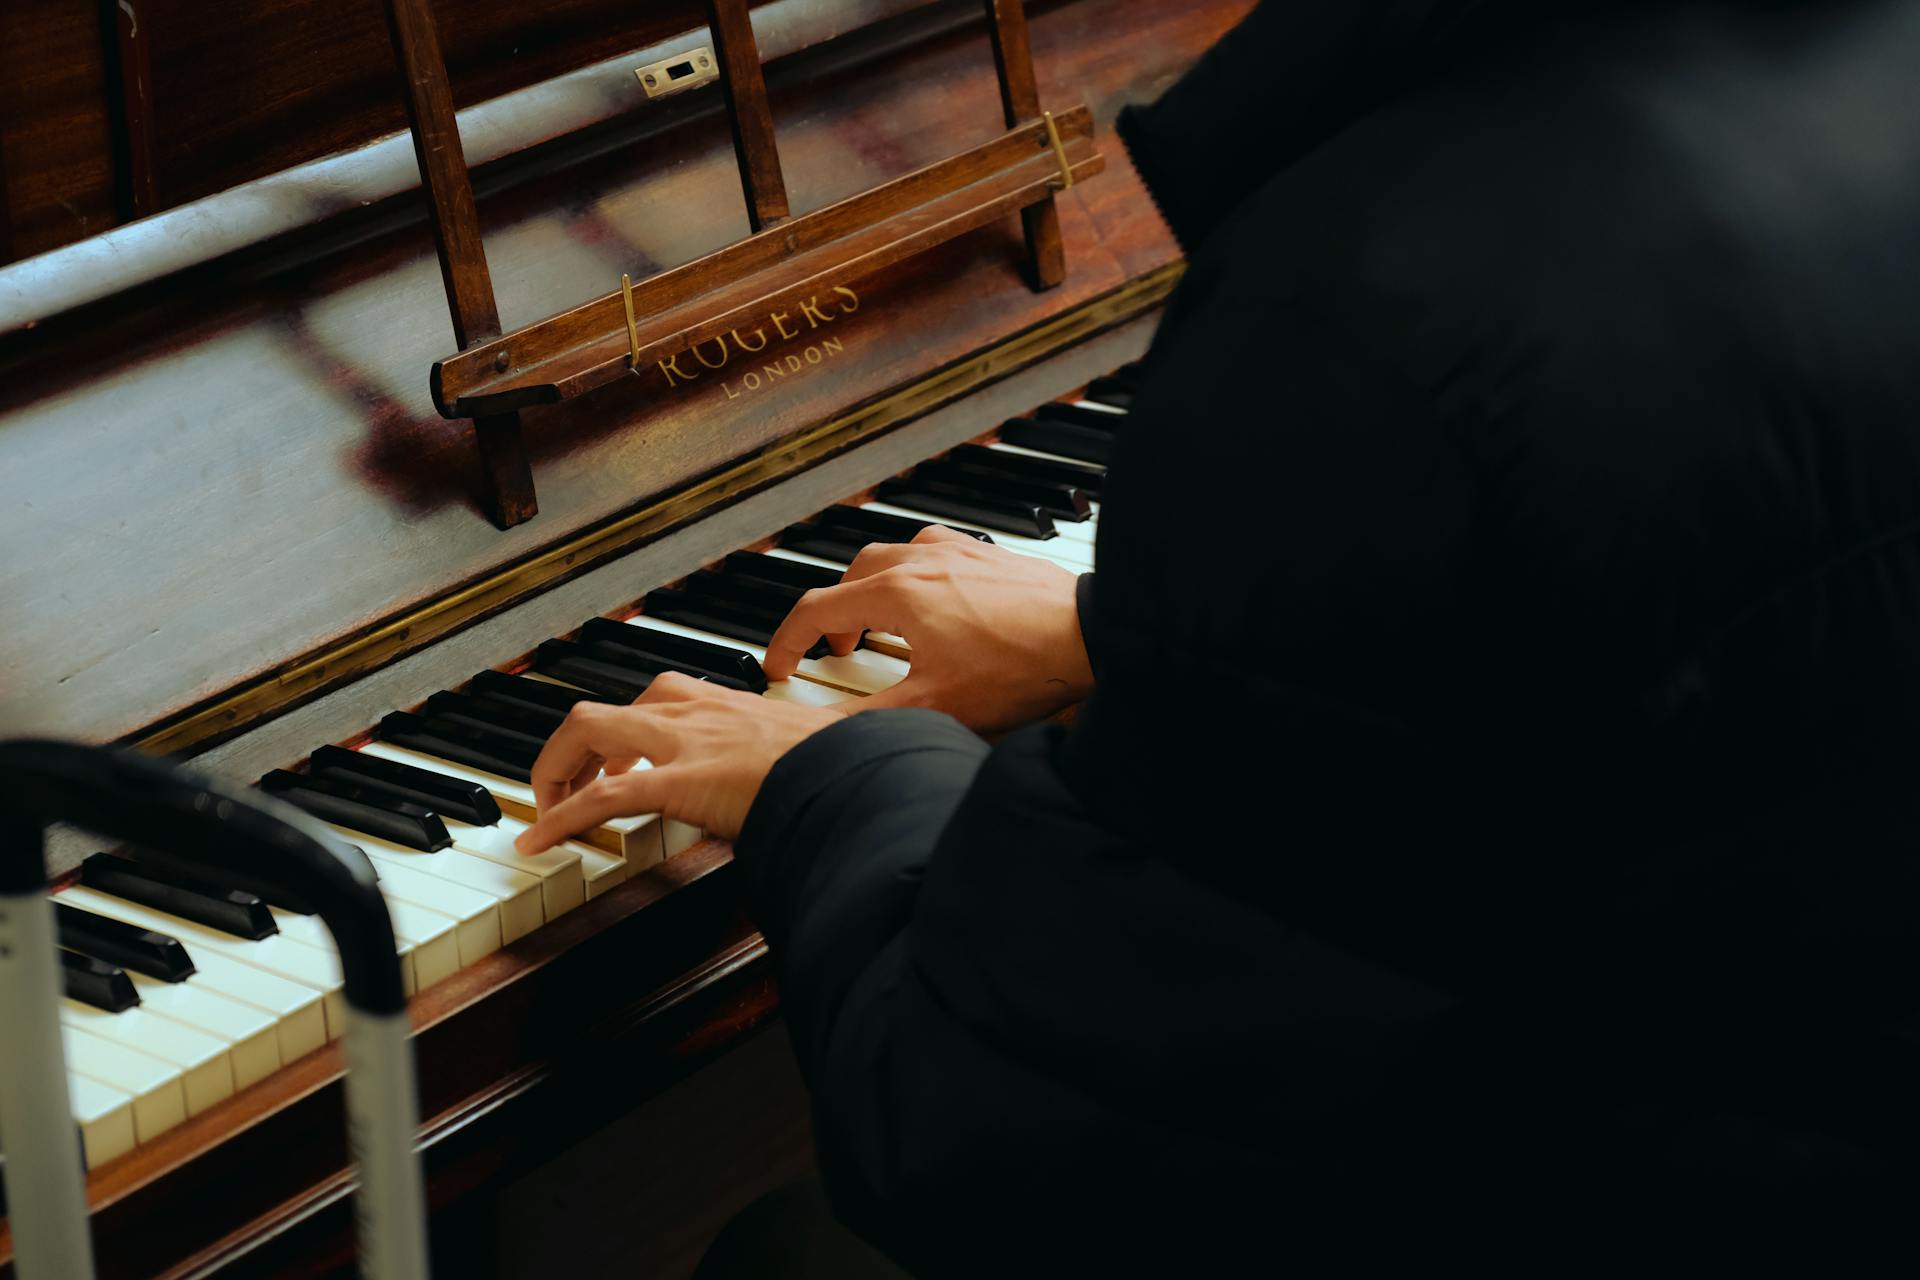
(332, 665)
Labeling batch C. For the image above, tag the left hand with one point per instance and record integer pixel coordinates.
(710, 747)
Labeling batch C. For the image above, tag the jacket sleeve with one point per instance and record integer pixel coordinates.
(835, 846)
(1292, 74)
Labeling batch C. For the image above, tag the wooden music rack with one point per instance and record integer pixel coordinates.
(786, 262)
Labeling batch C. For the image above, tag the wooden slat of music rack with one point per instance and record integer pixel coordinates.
(571, 353)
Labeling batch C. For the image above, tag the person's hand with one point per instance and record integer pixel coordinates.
(995, 634)
(710, 748)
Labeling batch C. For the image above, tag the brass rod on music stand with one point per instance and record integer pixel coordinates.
(1059, 150)
(633, 330)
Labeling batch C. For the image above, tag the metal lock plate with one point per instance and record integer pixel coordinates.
(678, 73)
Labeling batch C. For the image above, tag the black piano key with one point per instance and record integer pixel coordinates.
(565, 660)
(234, 911)
(127, 945)
(773, 601)
(526, 692)
(718, 616)
(1063, 438)
(652, 650)
(1115, 391)
(1130, 371)
(958, 503)
(815, 539)
(761, 567)
(95, 982)
(536, 722)
(449, 797)
(1077, 416)
(1078, 475)
(369, 810)
(461, 744)
(1061, 502)
(458, 708)
(880, 526)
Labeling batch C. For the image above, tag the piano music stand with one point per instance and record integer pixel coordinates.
(245, 840)
(786, 261)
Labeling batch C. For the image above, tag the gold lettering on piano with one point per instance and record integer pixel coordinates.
(817, 310)
(791, 363)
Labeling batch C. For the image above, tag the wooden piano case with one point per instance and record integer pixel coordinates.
(238, 527)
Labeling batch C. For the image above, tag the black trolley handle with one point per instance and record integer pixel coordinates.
(193, 825)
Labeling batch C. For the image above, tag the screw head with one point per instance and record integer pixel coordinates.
(501, 359)
(703, 60)
(649, 81)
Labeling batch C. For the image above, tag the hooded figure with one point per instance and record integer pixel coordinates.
(1499, 807)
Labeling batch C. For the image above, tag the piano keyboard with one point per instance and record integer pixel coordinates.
(179, 994)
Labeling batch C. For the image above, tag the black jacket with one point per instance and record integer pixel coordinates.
(1499, 801)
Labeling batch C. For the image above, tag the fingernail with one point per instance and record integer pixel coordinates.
(520, 841)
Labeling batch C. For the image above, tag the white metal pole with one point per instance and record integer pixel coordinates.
(46, 1176)
(382, 1121)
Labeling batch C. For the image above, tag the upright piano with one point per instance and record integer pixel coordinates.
(240, 531)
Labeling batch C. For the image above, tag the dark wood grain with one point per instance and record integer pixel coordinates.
(508, 478)
(1020, 101)
(54, 124)
(748, 112)
(131, 105)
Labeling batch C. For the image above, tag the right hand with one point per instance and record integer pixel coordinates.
(995, 634)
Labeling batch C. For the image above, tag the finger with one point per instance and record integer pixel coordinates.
(613, 796)
(876, 557)
(940, 533)
(572, 756)
(850, 608)
(672, 686)
(907, 693)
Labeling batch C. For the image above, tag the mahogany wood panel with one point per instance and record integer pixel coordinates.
(54, 133)
(194, 492)
(748, 112)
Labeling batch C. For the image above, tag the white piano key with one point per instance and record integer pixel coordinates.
(603, 871)
(1068, 553)
(1103, 408)
(300, 1021)
(313, 932)
(159, 1098)
(889, 643)
(249, 1033)
(431, 939)
(314, 968)
(205, 1067)
(473, 915)
(516, 892)
(808, 694)
(563, 882)
(105, 1117)
(862, 671)
(627, 837)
